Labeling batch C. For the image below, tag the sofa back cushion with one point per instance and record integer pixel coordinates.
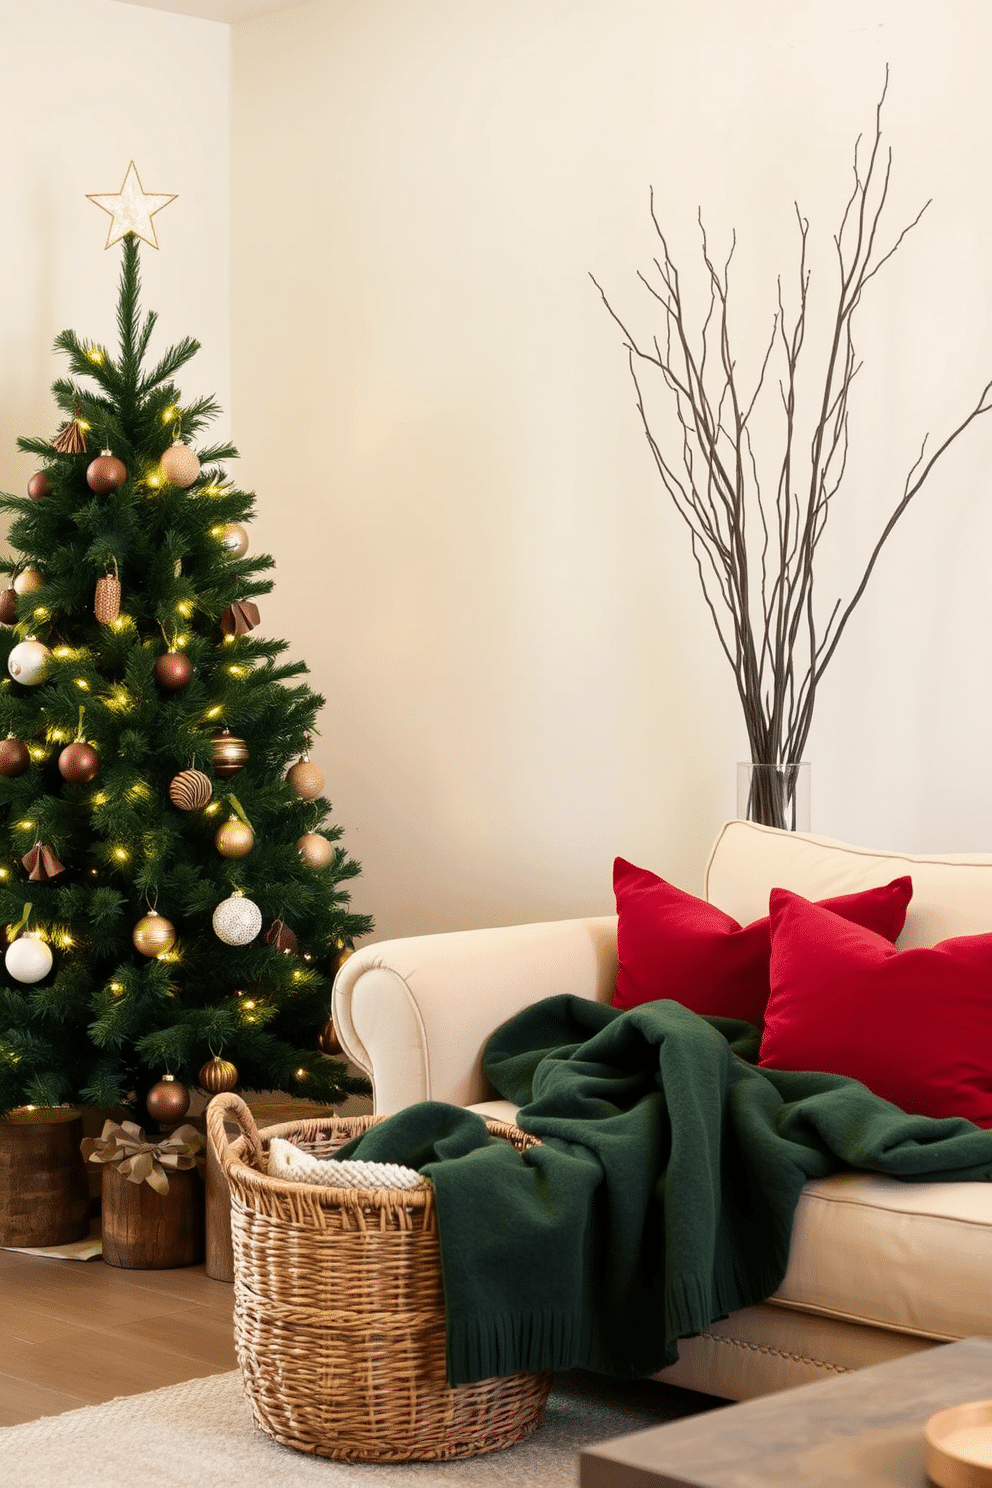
(952, 893)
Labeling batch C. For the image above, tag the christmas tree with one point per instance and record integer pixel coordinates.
(172, 892)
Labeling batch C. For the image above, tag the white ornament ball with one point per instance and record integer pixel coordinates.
(28, 663)
(180, 465)
(234, 539)
(28, 958)
(237, 920)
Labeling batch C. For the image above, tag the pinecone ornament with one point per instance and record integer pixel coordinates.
(107, 599)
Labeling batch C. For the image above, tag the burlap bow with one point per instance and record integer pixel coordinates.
(141, 1161)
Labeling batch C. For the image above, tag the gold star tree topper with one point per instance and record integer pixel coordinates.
(132, 209)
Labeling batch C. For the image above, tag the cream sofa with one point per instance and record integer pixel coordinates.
(877, 1268)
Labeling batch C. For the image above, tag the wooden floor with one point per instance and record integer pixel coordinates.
(74, 1333)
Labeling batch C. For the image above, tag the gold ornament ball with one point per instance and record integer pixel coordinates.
(230, 754)
(327, 1040)
(28, 580)
(153, 935)
(341, 955)
(39, 485)
(217, 1075)
(180, 465)
(173, 671)
(315, 850)
(8, 606)
(167, 1101)
(233, 839)
(79, 763)
(106, 473)
(234, 539)
(190, 790)
(306, 778)
(14, 757)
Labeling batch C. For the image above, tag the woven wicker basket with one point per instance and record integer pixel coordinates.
(339, 1309)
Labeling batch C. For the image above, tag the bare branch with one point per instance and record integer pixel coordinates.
(762, 603)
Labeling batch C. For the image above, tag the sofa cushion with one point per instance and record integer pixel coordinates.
(909, 1256)
(915, 1026)
(952, 893)
(672, 944)
(913, 1257)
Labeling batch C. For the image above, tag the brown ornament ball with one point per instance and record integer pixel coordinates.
(8, 606)
(173, 671)
(306, 778)
(39, 485)
(153, 935)
(79, 763)
(282, 937)
(167, 1101)
(233, 839)
(234, 539)
(190, 790)
(106, 473)
(28, 580)
(327, 1040)
(14, 757)
(217, 1075)
(180, 465)
(315, 850)
(230, 754)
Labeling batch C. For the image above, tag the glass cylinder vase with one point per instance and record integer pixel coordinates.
(775, 795)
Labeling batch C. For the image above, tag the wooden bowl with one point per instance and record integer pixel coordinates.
(959, 1446)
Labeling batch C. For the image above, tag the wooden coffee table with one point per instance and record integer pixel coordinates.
(864, 1427)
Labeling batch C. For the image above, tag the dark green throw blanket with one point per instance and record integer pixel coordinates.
(663, 1194)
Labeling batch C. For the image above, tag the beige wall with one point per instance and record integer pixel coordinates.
(85, 86)
(473, 551)
(473, 554)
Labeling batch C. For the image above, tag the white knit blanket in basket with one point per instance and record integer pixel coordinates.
(291, 1162)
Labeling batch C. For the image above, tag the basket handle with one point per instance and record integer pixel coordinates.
(233, 1107)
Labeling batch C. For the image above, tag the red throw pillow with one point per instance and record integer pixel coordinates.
(915, 1026)
(674, 945)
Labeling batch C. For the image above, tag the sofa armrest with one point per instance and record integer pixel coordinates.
(415, 1014)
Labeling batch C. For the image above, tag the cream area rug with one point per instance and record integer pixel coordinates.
(201, 1434)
